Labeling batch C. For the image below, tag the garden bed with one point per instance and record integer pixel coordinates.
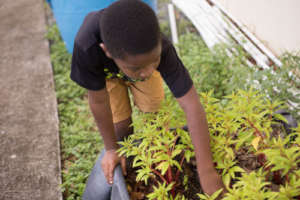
(240, 146)
(251, 150)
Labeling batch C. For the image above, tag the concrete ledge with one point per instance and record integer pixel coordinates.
(29, 137)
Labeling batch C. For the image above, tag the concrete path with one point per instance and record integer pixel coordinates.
(29, 140)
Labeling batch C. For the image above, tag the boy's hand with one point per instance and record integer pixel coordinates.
(211, 181)
(109, 162)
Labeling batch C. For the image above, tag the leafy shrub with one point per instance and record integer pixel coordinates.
(156, 153)
(243, 128)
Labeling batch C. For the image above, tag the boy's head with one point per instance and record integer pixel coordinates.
(131, 36)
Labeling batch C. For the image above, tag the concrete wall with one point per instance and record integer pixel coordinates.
(275, 22)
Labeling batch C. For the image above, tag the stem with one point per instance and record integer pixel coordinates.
(173, 192)
(159, 174)
(286, 177)
(270, 116)
(170, 177)
(170, 181)
(174, 144)
(257, 132)
(177, 173)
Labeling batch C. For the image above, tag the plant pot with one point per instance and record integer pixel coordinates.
(291, 121)
(97, 187)
(119, 189)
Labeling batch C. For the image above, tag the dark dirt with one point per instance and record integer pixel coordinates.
(139, 191)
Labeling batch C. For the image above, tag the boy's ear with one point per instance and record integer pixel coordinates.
(103, 47)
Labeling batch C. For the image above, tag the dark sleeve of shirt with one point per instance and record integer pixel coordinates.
(174, 73)
(86, 69)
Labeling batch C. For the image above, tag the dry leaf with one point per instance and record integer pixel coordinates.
(255, 142)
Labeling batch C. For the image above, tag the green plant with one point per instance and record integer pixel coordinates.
(80, 141)
(251, 186)
(243, 127)
(279, 84)
(212, 197)
(158, 151)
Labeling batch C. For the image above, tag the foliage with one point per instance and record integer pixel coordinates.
(244, 124)
(216, 70)
(279, 84)
(80, 141)
(291, 60)
(212, 197)
(158, 151)
(212, 70)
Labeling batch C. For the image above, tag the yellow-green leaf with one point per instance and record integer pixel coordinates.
(255, 142)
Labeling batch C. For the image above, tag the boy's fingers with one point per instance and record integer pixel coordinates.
(111, 174)
(109, 162)
(105, 171)
(111, 177)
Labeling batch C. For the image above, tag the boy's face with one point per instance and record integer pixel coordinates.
(138, 66)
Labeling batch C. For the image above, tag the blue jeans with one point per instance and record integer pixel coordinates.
(97, 187)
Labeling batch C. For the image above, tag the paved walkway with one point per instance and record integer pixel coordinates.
(29, 141)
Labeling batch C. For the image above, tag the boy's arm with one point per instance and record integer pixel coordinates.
(198, 128)
(100, 107)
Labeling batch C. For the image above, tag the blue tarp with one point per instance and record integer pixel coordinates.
(69, 15)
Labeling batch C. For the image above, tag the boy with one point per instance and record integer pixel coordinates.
(121, 47)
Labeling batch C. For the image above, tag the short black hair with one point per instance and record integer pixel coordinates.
(129, 27)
